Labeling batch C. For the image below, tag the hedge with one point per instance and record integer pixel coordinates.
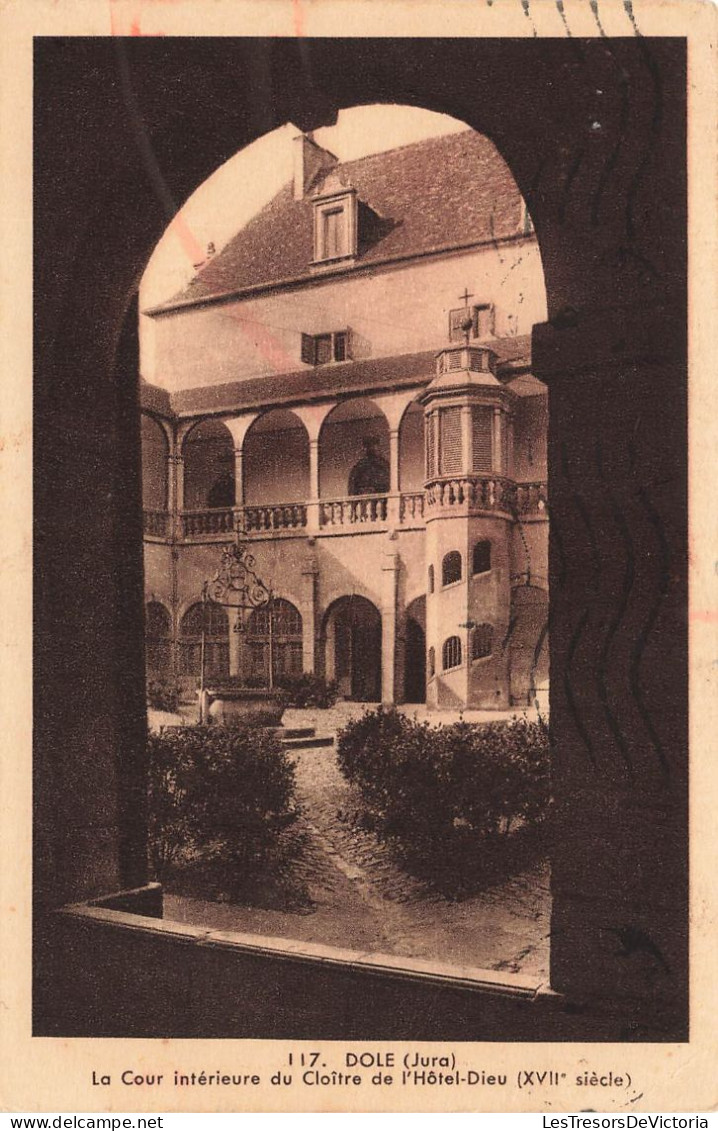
(457, 801)
(308, 690)
(222, 793)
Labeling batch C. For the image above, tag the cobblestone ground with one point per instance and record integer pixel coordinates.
(359, 898)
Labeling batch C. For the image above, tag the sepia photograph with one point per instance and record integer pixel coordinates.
(361, 557)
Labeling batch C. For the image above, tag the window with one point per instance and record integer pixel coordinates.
(451, 568)
(320, 349)
(430, 579)
(274, 635)
(158, 638)
(482, 641)
(335, 227)
(482, 322)
(451, 653)
(216, 640)
(432, 663)
(482, 557)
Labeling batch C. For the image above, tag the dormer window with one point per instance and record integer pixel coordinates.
(321, 349)
(335, 226)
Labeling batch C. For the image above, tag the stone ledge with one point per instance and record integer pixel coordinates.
(438, 973)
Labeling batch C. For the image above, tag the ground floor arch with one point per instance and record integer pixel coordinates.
(351, 640)
(528, 645)
(415, 652)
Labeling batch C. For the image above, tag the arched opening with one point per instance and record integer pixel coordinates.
(411, 450)
(205, 624)
(481, 557)
(274, 639)
(352, 640)
(354, 451)
(276, 460)
(158, 639)
(208, 467)
(529, 646)
(482, 641)
(415, 652)
(154, 464)
(451, 653)
(451, 568)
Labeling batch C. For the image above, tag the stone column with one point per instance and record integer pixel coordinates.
(310, 578)
(313, 501)
(176, 492)
(239, 476)
(394, 501)
(390, 573)
(239, 524)
(618, 598)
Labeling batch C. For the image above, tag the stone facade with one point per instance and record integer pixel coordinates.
(379, 441)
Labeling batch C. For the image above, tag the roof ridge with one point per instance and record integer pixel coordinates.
(410, 145)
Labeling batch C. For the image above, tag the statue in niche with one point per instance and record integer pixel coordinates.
(370, 476)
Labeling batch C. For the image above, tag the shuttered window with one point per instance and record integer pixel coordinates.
(481, 418)
(320, 349)
(450, 442)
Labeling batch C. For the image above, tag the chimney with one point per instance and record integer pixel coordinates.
(310, 160)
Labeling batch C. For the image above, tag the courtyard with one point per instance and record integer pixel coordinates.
(346, 889)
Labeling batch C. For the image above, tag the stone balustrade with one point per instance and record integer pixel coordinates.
(274, 516)
(353, 510)
(532, 499)
(155, 523)
(411, 508)
(219, 521)
(470, 492)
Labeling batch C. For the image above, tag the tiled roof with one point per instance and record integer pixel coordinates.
(440, 193)
(374, 374)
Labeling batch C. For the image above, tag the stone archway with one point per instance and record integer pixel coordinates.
(613, 353)
(352, 636)
(415, 652)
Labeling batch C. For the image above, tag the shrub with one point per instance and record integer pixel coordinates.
(457, 801)
(163, 696)
(225, 793)
(308, 690)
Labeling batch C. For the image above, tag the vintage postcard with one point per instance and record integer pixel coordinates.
(356, 411)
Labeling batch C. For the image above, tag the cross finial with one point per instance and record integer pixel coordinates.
(466, 296)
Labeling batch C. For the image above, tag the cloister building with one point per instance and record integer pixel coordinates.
(347, 387)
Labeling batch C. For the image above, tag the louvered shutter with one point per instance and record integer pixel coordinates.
(308, 350)
(431, 463)
(450, 441)
(481, 418)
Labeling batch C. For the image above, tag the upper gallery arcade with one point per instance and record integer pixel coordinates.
(347, 384)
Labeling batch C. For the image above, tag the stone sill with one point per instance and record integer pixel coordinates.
(103, 912)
